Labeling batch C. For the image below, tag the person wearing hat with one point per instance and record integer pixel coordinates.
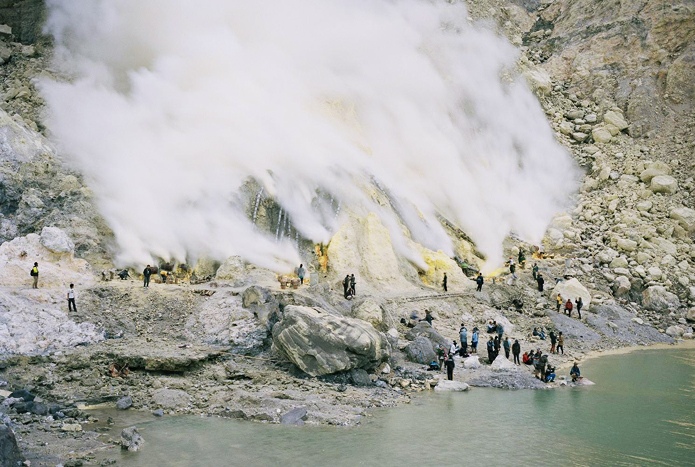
(575, 373)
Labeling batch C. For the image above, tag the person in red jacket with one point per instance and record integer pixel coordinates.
(568, 307)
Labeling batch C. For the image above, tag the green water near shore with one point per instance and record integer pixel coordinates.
(640, 412)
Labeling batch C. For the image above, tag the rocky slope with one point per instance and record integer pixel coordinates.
(612, 78)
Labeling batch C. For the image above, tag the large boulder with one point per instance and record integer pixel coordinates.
(320, 343)
(171, 398)
(56, 240)
(690, 316)
(472, 362)
(657, 298)
(234, 270)
(653, 170)
(444, 385)
(501, 363)
(420, 351)
(370, 311)
(9, 451)
(572, 289)
(424, 329)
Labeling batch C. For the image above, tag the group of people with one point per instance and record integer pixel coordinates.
(34, 274)
(349, 286)
(568, 305)
(541, 367)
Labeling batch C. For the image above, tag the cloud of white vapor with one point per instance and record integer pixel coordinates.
(175, 104)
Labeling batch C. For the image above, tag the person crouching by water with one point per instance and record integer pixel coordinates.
(449, 362)
(575, 373)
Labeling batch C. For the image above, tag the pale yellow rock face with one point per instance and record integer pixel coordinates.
(439, 263)
(363, 246)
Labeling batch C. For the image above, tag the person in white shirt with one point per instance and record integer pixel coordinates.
(71, 298)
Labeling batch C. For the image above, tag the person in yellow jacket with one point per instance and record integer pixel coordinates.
(559, 302)
(35, 274)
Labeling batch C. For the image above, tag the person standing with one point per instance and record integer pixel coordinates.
(346, 285)
(353, 291)
(506, 345)
(444, 283)
(479, 280)
(300, 273)
(561, 343)
(490, 350)
(500, 330)
(516, 350)
(521, 259)
(540, 281)
(534, 271)
(579, 304)
(512, 268)
(497, 345)
(558, 302)
(474, 341)
(553, 341)
(71, 298)
(568, 307)
(449, 363)
(35, 274)
(146, 273)
(463, 334)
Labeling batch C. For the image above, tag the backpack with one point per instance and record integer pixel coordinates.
(33, 273)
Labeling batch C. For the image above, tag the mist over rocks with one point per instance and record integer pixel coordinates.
(426, 114)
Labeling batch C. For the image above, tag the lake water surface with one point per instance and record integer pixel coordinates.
(640, 412)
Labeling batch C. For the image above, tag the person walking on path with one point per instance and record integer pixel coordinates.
(449, 363)
(444, 281)
(463, 334)
(500, 330)
(474, 341)
(479, 280)
(534, 271)
(558, 301)
(568, 307)
(560, 343)
(579, 304)
(540, 281)
(553, 341)
(352, 285)
(490, 350)
(516, 350)
(346, 285)
(146, 273)
(35, 274)
(512, 268)
(300, 273)
(506, 345)
(71, 298)
(521, 259)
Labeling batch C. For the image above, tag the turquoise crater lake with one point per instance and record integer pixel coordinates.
(640, 412)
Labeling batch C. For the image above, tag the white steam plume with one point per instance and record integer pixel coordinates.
(175, 104)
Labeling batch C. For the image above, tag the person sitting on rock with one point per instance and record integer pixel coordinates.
(538, 333)
(568, 307)
(428, 317)
(575, 373)
(453, 349)
(550, 374)
(527, 358)
(491, 326)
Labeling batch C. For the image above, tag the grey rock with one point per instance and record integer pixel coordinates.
(657, 298)
(360, 377)
(171, 398)
(158, 413)
(320, 343)
(420, 351)
(124, 403)
(131, 439)
(424, 329)
(296, 416)
(10, 454)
